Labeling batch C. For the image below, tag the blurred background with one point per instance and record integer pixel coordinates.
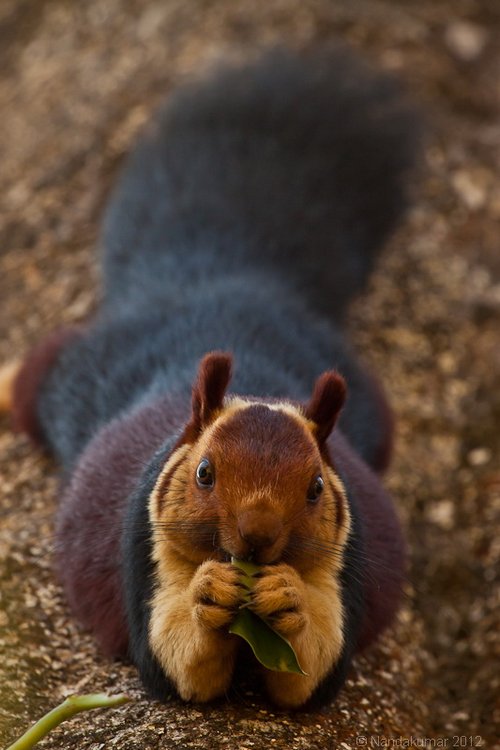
(78, 80)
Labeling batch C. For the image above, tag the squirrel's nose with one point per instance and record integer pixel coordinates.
(259, 527)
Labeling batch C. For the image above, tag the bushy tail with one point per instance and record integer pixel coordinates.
(296, 163)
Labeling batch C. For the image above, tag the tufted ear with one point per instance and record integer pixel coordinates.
(214, 374)
(327, 400)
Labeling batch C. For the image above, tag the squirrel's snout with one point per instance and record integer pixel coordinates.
(259, 527)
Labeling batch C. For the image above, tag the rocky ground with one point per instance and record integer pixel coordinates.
(79, 80)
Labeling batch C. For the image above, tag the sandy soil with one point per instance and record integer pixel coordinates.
(78, 82)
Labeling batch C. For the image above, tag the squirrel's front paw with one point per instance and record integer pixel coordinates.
(217, 592)
(279, 597)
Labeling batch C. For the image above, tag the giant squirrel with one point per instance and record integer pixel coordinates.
(246, 219)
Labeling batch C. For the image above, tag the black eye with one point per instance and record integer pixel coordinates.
(315, 489)
(205, 476)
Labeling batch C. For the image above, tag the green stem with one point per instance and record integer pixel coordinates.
(269, 647)
(71, 706)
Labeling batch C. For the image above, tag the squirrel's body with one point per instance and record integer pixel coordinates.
(248, 216)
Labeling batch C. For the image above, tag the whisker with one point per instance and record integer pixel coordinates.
(335, 552)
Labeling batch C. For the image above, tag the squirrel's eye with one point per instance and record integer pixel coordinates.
(315, 489)
(205, 476)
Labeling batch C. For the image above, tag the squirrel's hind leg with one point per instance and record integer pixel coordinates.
(20, 381)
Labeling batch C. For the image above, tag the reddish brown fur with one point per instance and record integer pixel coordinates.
(327, 400)
(255, 454)
(259, 485)
(214, 374)
(261, 489)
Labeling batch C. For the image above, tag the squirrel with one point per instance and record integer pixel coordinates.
(248, 216)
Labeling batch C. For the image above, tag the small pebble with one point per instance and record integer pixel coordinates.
(479, 456)
(465, 40)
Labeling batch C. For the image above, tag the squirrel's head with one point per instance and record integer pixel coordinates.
(253, 479)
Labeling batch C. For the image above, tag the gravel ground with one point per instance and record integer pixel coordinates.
(78, 82)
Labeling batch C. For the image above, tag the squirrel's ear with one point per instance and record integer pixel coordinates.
(327, 400)
(214, 374)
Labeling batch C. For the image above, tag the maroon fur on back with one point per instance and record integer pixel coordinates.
(384, 546)
(385, 424)
(91, 516)
(30, 377)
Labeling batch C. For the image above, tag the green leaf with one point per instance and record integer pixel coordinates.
(269, 647)
(68, 708)
(248, 570)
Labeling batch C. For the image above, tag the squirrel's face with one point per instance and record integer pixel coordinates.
(253, 480)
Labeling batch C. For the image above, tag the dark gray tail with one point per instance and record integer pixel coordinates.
(294, 165)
